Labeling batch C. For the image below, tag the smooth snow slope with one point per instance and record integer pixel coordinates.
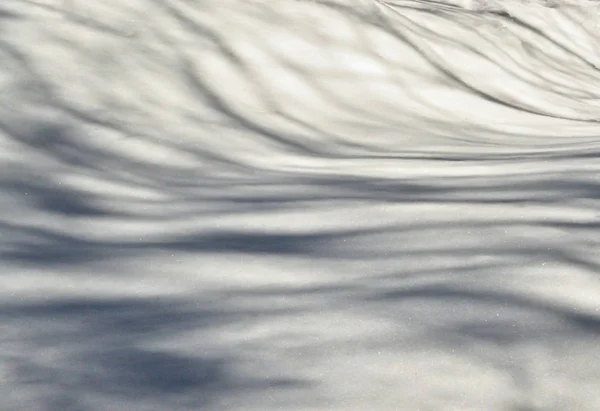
(299, 205)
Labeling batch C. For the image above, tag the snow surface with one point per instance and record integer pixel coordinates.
(299, 205)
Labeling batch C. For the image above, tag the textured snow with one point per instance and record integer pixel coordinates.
(299, 205)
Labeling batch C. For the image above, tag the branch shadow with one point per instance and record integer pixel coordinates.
(190, 169)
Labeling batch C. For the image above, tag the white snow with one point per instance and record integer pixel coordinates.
(299, 205)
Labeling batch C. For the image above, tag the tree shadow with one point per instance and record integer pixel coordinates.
(318, 229)
(97, 353)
